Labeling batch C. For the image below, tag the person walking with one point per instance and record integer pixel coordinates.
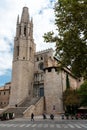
(44, 116)
(51, 116)
(32, 117)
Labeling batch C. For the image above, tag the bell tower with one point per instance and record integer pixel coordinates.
(23, 60)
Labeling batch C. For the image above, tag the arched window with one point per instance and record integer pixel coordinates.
(19, 30)
(30, 51)
(41, 65)
(37, 58)
(25, 30)
(17, 51)
(41, 58)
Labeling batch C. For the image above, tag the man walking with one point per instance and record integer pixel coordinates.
(32, 117)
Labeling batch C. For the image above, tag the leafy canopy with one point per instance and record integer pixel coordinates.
(83, 93)
(71, 97)
(71, 40)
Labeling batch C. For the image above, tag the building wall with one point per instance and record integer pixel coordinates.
(22, 82)
(41, 61)
(54, 86)
(53, 91)
(42, 57)
(73, 81)
(5, 95)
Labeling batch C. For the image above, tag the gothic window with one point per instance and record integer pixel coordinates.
(41, 76)
(4, 93)
(17, 51)
(41, 58)
(30, 51)
(37, 59)
(35, 77)
(19, 30)
(25, 30)
(40, 66)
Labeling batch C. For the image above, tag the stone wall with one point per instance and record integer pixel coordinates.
(74, 82)
(37, 109)
(53, 91)
(5, 95)
(21, 81)
(54, 86)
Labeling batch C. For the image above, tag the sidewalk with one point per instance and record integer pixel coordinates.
(39, 118)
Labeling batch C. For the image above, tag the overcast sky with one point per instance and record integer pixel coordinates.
(43, 20)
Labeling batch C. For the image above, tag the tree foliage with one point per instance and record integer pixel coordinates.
(71, 97)
(71, 101)
(71, 41)
(83, 93)
(75, 98)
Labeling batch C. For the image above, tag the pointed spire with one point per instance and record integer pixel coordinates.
(25, 15)
(31, 20)
(31, 27)
(18, 19)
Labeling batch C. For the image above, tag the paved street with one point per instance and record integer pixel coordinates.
(40, 124)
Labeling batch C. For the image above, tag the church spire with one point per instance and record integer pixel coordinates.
(25, 15)
(23, 60)
(25, 25)
(18, 20)
(17, 28)
(31, 28)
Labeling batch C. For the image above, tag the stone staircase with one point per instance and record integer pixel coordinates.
(22, 107)
(29, 102)
(17, 110)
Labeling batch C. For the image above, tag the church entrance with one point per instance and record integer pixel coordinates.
(38, 90)
(41, 92)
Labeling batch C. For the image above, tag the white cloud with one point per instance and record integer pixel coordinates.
(43, 18)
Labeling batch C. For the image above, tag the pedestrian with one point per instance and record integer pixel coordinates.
(44, 116)
(51, 116)
(62, 115)
(32, 117)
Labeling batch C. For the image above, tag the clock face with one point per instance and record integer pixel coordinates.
(41, 65)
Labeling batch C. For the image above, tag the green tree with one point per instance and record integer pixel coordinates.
(71, 40)
(71, 100)
(83, 93)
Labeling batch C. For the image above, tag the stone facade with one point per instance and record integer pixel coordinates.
(34, 74)
(37, 109)
(23, 60)
(5, 95)
(53, 90)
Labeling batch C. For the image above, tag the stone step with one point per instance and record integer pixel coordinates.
(29, 102)
(22, 107)
(17, 110)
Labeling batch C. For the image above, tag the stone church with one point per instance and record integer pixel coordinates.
(36, 84)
